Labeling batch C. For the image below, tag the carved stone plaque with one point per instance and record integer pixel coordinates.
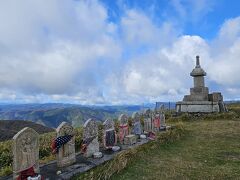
(147, 120)
(123, 127)
(66, 154)
(25, 151)
(137, 129)
(109, 135)
(156, 122)
(90, 137)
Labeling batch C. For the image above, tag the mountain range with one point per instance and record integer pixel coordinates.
(52, 114)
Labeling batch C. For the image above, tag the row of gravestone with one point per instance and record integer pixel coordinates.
(26, 141)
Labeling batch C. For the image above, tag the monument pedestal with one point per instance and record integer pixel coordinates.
(197, 106)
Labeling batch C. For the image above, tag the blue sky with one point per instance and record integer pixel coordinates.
(116, 52)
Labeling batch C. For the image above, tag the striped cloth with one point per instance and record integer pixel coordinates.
(58, 142)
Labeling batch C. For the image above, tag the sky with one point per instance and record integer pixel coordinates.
(98, 52)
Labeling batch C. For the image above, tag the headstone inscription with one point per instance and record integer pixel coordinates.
(65, 145)
(148, 121)
(137, 129)
(109, 135)
(90, 138)
(123, 127)
(26, 154)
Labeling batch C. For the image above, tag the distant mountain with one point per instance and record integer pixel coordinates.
(8, 128)
(53, 114)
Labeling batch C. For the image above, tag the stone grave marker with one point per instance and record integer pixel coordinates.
(123, 127)
(90, 138)
(109, 135)
(162, 116)
(137, 129)
(25, 153)
(147, 120)
(66, 151)
(156, 121)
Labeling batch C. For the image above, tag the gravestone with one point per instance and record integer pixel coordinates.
(109, 135)
(156, 123)
(25, 152)
(148, 121)
(137, 129)
(123, 127)
(90, 137)
(66, 153)
(162, 116)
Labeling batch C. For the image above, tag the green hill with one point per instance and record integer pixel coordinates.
(52, 115)
(8, 128)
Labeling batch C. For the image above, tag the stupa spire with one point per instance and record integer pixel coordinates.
(197, 62)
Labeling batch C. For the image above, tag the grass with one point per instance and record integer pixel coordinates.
(210, 150)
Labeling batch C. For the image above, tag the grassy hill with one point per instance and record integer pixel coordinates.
(210, 150)
(8, 128)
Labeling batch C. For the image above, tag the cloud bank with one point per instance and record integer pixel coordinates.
(70, 51)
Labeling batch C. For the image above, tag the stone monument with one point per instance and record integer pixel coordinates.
(109, 135)
(123, 127)
(147, 120)
(66, 153)
(137, 129)
(156, 122)
(199, 100)
(25, 153)
(162, 116)
(90, 137)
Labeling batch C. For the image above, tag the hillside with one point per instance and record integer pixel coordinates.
(52, 114)
(210, 150)
(8, 128)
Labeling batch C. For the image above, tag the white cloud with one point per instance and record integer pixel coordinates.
(165, 71)
(54, 48)
(226, 54)
(71, 52)
(192, 11)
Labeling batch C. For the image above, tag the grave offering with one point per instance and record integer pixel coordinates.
(90, 138)
(115, 148)
(97, 155)
(64, 145)
(26, 154)
(148, 121)
(137, 129)
(143, 136)
(130, 139)
(123, 127)
(109, 135)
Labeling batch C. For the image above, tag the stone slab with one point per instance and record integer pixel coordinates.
(197, 107)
